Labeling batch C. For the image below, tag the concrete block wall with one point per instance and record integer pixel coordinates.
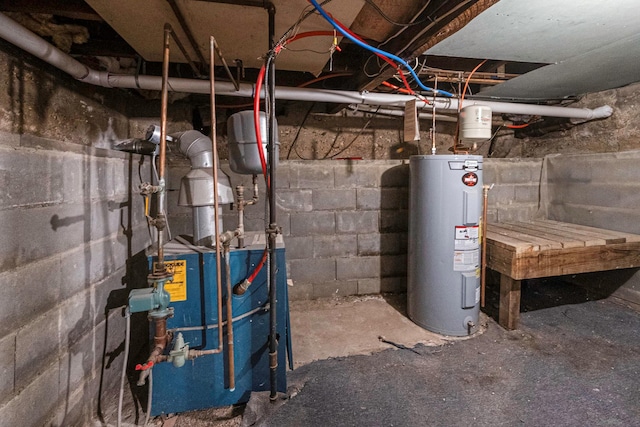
(69, 225)
(516, 192)
(598, 190)
(345, 223)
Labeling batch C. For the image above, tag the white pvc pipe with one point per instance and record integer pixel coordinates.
(16, 34)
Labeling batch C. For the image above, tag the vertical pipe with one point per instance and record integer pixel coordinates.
(230, 350)
(160, 220)
(272, 232)
(485, 196)
(214, 150)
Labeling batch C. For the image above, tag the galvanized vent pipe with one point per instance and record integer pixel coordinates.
(30, 42)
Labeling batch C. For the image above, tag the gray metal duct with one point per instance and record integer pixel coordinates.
(196, 187)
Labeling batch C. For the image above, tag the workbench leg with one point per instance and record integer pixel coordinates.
(509, 315)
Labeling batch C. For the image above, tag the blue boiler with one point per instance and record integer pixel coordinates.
(203, 382)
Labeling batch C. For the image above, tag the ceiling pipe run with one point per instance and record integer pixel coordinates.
(16, 34)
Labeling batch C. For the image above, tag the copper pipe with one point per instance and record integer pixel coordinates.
(160, 340)
(216, 215)
(218, 240)
(483, 279)
(160, 221)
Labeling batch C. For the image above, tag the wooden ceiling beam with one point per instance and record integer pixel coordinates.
(446, 19)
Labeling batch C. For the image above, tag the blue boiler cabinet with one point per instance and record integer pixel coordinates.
(445, 208)
(203, 382)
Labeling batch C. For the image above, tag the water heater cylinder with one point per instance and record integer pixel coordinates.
(445, 206)
(475, 123)
(244, 157)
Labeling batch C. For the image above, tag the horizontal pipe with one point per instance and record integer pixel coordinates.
(30, 42)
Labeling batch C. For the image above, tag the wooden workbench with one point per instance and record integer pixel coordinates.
(545, 248)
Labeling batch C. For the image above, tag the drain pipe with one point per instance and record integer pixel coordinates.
(16, 34)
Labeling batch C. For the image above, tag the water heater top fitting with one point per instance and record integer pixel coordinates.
(475, 123)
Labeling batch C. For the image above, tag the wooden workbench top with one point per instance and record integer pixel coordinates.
(544, 248)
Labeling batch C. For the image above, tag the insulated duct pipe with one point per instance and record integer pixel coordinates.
(16, 34)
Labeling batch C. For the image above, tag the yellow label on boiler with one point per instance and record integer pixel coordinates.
(177, 288)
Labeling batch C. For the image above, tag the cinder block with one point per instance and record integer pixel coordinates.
(502, 194)
(19, 306)
(310, 223)
(312, 270)
(36, 403)
(394, 198)
(383, 198)
(335, 246)
(299, 247)
(352, 174)
(106, 295)
(396, 285)
(527, 193)
(379, 244)
(517, 213)
(7, 365)
(519, 172)
(368, 198)
(334, 199)
(301, 291)
(368, 286)
(489, 171)
(22, 180)
(282, 175)
(394, 221)
(336, 288)
(82, 358)
(36, 347)
(357, 222)
(393, 265)
(355, 268)
(294, 200)
(303, 175)
(396, 176)
(60, 228)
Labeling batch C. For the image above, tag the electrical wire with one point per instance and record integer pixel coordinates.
(375, 50)
(295, 139)
(424, 7)
(345, 148)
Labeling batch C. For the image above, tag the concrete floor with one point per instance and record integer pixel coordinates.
(571, 363)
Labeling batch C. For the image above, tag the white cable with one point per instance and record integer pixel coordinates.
(127, 315)
(149, 397)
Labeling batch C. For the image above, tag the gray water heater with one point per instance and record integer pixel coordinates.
(445, 208)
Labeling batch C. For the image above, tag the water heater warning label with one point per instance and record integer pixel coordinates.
(177, 288)
(466, 260)
(466, 237)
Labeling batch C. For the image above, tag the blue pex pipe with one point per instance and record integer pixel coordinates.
(376, 50)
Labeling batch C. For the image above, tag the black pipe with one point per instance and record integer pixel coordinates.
(272, 231)
(187, 31)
